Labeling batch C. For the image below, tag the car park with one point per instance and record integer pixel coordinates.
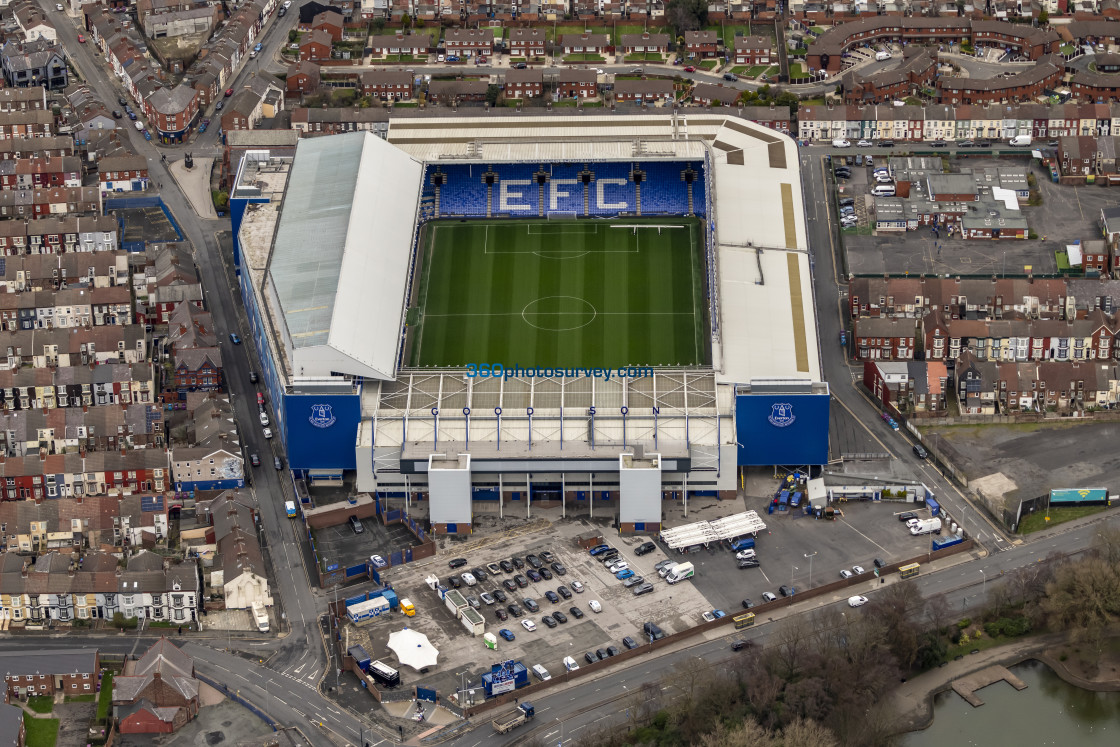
(559, 617)
(645, 588)
(858, 570)
(534, 576)
(486, 597)
(529, 625)
(501, 614)
(500, 595)
(624, 574)
(633, 581)
(506, 633)
(595, 606)
(356, 524)
(531, 604)
(547, 620)
(545, 574)
(563, 591)
(509, 584)
(506, 566)
(456, 563)
(493, 569)
(552, 596)
(768, 596)
(857, 601)
(515, 609)
(613, 651)
(521, 581)
(577, 587)
(786, 591)
(629, 642)
(559, 569)
(575, 612)
(845, 573)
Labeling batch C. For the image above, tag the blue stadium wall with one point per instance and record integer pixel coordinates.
(237, 208)
(777, 429)
(320, 430)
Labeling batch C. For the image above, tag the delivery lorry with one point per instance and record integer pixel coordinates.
(926, 526)
(513, 718)
(260, 617)
(290, 509)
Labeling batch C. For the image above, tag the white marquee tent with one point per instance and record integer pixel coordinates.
(413, 649)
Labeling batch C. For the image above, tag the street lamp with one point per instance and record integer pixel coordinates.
(984, 583)
(810, 555)
(791, 575)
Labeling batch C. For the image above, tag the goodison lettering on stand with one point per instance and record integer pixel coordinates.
(510, 196)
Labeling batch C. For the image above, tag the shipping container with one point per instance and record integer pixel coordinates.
(472, 621)
(358, 654)
(384, 674)
(367, 610)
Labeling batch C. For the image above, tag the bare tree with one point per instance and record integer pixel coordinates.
(787, 645)
(1107, 543)
(805, 733)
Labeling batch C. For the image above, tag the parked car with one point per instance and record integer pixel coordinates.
(521, 581)
(81, 38)
(509, 584)
(786, 591)
(267, 432)
(730, 76)
(864, 144)
(505, 633)
(575, 612)
(499, 595)
(907, 516)
(740, 644)
(472, 600)
(552, 596)
(886, 143)
(560, 569)
(534, 576)
(613, 651)
(645, 548)
(748, 563)
(455, 582)
(618, 565)
(590, 658)
(493, 569)
(708, 617)
(879, 562)
(356, 525)
(563, 591)
(845, 573)
(515, 609)
(457, 563)
(529, 625)
(747, 554)
(965, 144)
(235, 340)
(506, 566)
(468, 578)
(858, 570)
(531, 604)
(857, 601)
(629, 642)
(600, 653)
(501, 614)
(559, 617)
(920, 452)
(747, 604)
(848, 221)
(486, 597)
(624, 574)
(547, 557)
(229, 92)
(577, 587)
(545, 574)
(478, 573)
(533, 561)
(633, 581)
(847, 202)
(547, 620)
(595, 606)
(768, 596)
(690, 69)
(645, 588)
(599, 549)
(662, 563)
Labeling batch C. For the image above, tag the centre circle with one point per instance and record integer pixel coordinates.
(558, 313)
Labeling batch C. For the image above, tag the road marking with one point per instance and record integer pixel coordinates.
(301, 713)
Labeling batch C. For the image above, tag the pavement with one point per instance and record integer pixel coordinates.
(194, 183)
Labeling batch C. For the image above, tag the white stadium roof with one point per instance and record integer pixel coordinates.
(341, 255)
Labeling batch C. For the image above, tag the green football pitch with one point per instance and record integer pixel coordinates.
(561, 293)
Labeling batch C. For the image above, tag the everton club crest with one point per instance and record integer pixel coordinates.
(781, 414)
(321, 416)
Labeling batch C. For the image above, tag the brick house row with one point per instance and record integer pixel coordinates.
(40, 203)
(64, 234)
(33, 173)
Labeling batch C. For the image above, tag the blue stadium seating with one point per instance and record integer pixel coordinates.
(610, 193)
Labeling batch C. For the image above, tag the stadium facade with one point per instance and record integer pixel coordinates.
(326, 255)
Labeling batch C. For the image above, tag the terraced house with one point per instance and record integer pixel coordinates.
(72, 671)
(63, 587)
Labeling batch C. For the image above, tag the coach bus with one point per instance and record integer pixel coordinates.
(744, 620)
(907, 571)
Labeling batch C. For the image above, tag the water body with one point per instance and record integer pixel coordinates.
(1048, 712)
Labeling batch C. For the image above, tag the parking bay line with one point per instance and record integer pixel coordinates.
(861, 534)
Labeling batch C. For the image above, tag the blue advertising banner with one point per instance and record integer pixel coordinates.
(320, 430)
(782, 429)
(1079, 495)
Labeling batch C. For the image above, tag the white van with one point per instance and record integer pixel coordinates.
(1020, 141)
(681, 572)
(881, 55)
(570, 664)
(664, 572)
(541, 672)
(841, 143)
(883, 190)
(139, 125)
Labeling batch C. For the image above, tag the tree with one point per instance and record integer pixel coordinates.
(492, 94)
(1084, 597)
(805, 733)
(1043, 17)
(406, 20)
(686, 15)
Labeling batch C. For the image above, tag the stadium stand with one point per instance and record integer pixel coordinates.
(602, 190)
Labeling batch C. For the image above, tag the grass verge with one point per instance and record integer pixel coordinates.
(1058, 515)
(41, 732)
(105, 697)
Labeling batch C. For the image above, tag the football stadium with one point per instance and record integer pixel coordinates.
(602, 312)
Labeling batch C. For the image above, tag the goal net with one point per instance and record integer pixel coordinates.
(561, 215)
